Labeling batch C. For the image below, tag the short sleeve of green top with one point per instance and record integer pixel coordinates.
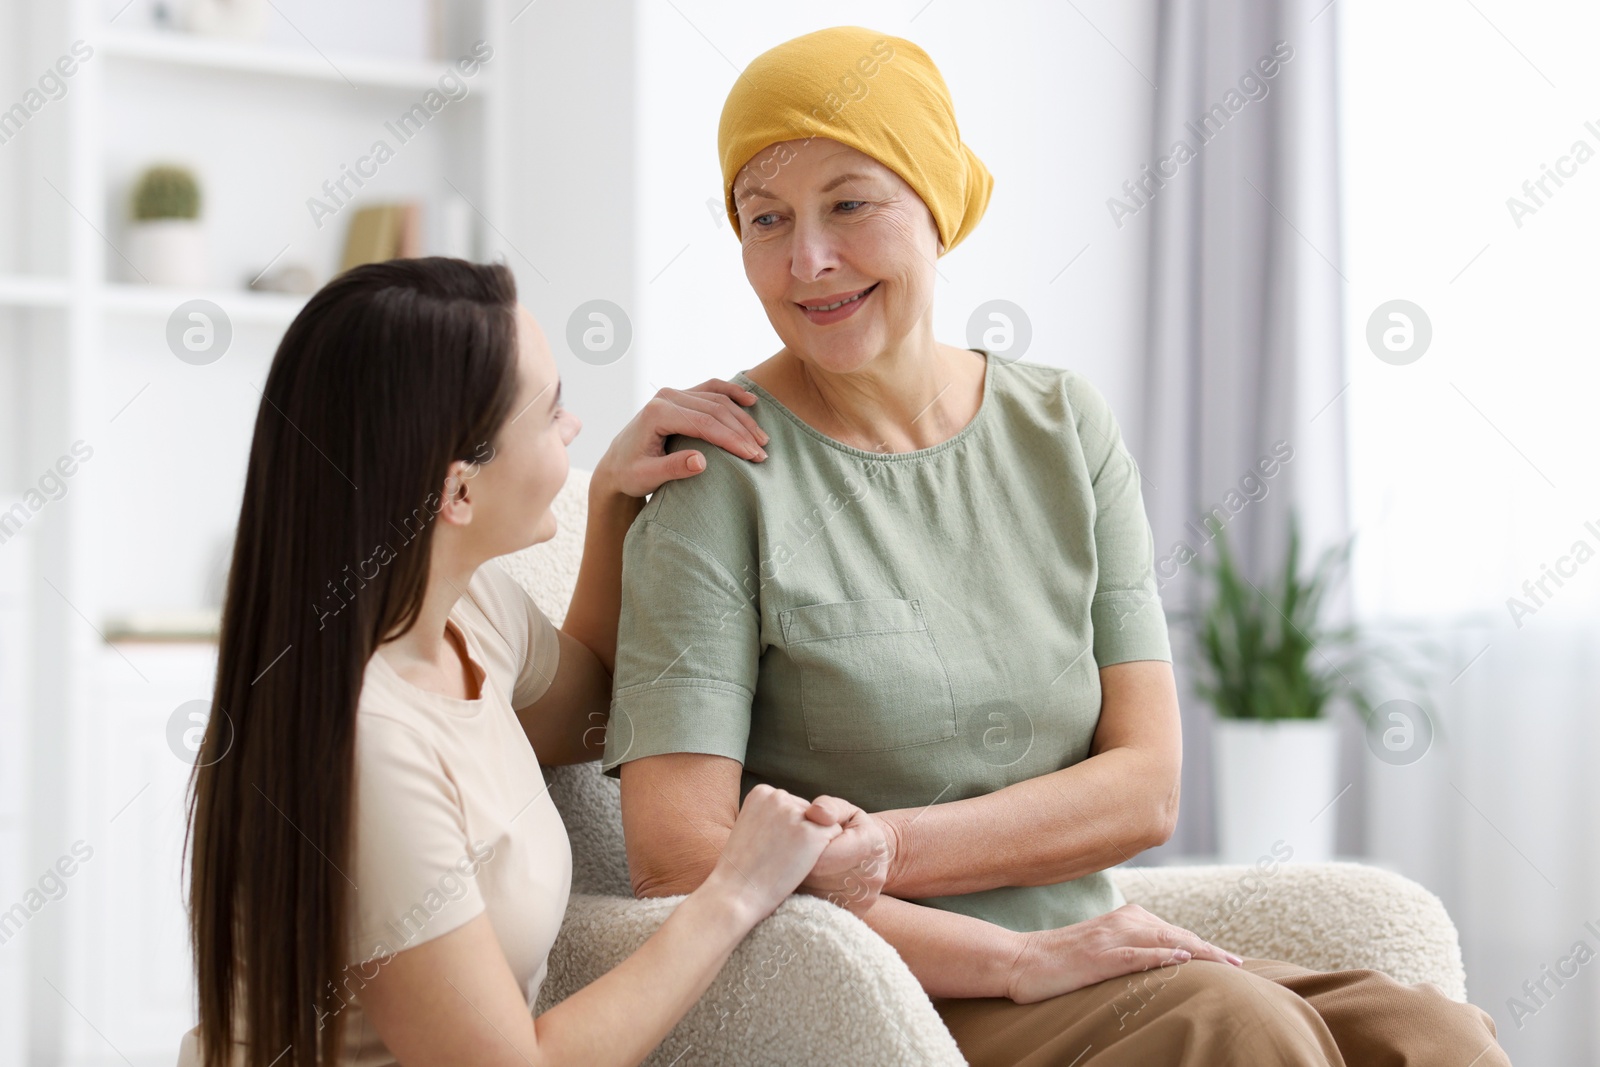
(898, 629)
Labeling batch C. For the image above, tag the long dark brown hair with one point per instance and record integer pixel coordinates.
(390, 373)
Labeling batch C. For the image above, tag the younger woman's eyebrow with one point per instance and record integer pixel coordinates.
(554, 400)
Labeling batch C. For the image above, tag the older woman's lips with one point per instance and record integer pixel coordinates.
(847, 304)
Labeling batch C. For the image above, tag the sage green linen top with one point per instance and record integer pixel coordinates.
(898, 629)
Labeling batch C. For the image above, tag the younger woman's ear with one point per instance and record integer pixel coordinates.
(456, 496)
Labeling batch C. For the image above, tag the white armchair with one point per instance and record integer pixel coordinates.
(813, 984)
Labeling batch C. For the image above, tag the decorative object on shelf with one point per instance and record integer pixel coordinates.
(134, 15)
(197, 625)
(167, 237)
(285, 278)
(382, 232)
(241, 19)
(1271, 667)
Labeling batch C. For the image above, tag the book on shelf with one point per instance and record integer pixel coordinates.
(381, 232)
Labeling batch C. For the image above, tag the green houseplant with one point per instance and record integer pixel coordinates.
(1268, 654)
(1273, 668)
(166, 236)
(166, 191)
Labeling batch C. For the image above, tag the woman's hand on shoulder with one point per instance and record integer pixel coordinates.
(637, 463)
(1120, 942)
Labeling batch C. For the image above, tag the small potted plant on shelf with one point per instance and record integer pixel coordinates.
(1273, 669)
(167, 239)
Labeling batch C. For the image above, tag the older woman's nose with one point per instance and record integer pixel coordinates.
(813, 251)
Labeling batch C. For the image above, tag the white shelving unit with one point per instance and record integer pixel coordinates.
(100, 976)
(16, 652)
(21, 291)
(229, 57)
(273, 309)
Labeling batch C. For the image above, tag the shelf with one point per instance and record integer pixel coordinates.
(242, 305)
(224, 55)
(22, 290)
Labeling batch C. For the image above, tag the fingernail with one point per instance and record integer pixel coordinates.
(1181, 955)
(697, 462)
(1235, 960)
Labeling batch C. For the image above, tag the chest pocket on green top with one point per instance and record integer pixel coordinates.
(871, 677)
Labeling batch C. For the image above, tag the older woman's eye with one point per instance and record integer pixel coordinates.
(757, 220)
(842, 203)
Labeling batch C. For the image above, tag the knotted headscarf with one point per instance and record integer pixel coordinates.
(879, 94)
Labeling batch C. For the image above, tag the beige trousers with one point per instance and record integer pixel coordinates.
(1264, 1014)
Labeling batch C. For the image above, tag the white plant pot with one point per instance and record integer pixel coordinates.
(169, 251)
(1275, 781)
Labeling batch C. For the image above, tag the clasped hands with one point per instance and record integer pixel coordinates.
(854, 867)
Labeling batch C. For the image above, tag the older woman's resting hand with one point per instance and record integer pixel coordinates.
(1124, 941)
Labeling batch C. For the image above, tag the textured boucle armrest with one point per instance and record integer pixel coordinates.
(811, 984)
(1326, 916)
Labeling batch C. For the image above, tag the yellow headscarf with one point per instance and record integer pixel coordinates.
(880, 95)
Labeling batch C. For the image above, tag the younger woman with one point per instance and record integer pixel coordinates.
(378, 871)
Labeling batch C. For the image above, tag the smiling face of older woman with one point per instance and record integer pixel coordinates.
(823, 224)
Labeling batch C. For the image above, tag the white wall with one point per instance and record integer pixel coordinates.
(571, 207)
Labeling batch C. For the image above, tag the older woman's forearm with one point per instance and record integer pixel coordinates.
(1062, 825)
(1052, 828)
(952, 955)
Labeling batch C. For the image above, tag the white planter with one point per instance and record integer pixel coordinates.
(169, 251)
(1275, 781)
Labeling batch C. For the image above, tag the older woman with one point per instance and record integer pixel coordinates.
(935, 599)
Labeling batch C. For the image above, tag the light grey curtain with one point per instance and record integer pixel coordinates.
(1245, 341)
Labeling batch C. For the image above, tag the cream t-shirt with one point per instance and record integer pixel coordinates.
(453, 817)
